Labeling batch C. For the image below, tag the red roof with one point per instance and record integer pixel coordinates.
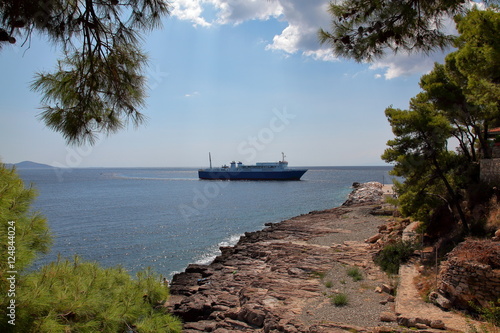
(494, 131)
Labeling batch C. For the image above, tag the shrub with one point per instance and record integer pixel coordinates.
(490, 314)
(355, 274)
(393, 255)
(339, 299)
(317, 274)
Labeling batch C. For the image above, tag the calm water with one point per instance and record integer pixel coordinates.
(167, 218)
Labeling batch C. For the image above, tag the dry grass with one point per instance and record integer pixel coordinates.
(425, 282)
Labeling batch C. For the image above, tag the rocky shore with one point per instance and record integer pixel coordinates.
(311, 273)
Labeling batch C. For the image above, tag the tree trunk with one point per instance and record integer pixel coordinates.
(453, 195)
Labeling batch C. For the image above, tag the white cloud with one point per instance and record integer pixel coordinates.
(190, 10)
(324, 54)
(228, 11)
(404, 64)
(304, 19)
(237, 11)
(193, 94)
(287, 41)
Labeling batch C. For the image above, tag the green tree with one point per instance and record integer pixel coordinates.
(367, 29)
(468, 120)
(466, 89)
(24, 235)
(476, 62)
(459, 100)
(420, 154)
(74, 296)
(26, 231)
(98, 84)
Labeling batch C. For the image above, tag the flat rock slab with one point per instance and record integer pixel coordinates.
(283, 279)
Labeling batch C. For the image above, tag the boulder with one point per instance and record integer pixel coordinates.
(252, 314)
(366, 193)
(388, 317)
(438, 324)
(385, 288)
(496, 238)
(202, 326)
(193, 309)
(440, 300)
(374, 238)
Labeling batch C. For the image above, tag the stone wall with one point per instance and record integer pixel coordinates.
(471, 273)
(490, 171)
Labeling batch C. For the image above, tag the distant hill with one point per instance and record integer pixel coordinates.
(29, 165)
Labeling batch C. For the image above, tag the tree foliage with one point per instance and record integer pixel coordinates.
(29, 230)
(477, 60)
(79, 296)
(367, 29)
(421, 156)
(460, 101)
(24, 234)
(97, 86)
(468, 120)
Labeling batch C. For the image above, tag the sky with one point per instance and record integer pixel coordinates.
(243, 80)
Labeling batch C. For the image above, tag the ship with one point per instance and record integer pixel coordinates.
(259, 171)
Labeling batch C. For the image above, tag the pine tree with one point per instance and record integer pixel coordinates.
(460, 100)
(364, 30)
(98, 85)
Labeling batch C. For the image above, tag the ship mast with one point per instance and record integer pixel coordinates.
(283, 156)
(210, 159)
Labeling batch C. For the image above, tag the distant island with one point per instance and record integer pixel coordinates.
(29, 165)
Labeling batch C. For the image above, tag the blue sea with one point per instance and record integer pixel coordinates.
(167, 218)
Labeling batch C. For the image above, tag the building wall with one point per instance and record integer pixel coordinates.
(490, 171)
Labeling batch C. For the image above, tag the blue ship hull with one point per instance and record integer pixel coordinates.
(290, 174)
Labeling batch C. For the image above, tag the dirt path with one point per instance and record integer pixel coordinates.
(409, 304)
